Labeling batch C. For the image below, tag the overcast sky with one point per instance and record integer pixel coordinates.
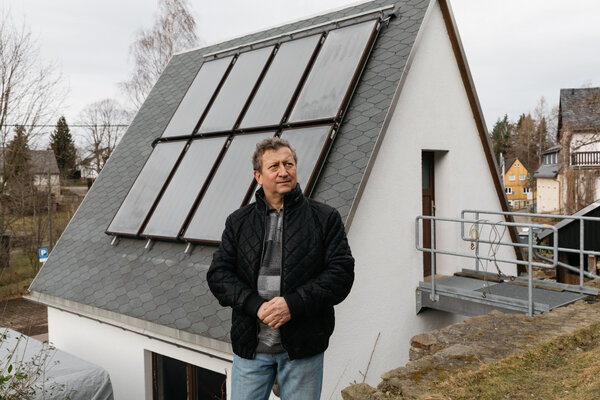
(517, 50)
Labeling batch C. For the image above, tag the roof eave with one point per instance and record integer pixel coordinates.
(194, 342)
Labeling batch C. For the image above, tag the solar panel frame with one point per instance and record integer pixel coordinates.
(328, 129)
(186, 104)
(211, 123)
(220, 143)
(351, 84)
(136, 186)
(258, 98)
(225, 158)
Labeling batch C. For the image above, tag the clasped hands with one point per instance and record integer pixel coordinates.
(274, 313)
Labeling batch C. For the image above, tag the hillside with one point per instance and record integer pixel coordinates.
(555, 355)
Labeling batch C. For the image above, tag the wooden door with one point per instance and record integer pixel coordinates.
(428, 191)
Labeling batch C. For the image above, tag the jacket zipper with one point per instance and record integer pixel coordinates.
(281, 270)
(262, 256)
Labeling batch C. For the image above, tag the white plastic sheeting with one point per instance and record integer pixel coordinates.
(61, 375)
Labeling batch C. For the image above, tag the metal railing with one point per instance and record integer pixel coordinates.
(476, 240)
(581, 250)
(583, 158)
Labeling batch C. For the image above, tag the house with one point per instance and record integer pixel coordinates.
(549, 182)
(377, 99)
(579, 134)
(88, 167)
(517, 184)
(569, 237)
(42, 163)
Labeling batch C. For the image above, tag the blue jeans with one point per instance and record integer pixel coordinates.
(298, 379)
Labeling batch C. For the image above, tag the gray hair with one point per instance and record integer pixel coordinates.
(274, 144)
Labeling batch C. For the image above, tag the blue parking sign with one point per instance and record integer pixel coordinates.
(43, 253)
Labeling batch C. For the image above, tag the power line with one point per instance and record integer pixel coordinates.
(73, 126)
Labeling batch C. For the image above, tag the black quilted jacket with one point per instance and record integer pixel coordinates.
(317, 273)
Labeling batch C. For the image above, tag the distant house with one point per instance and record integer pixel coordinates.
(517, 184)
(42, 163)
(549, 182)
(88, 166)
(578, 135)
(378, 101)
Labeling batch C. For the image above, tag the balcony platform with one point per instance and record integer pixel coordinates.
(477, 293)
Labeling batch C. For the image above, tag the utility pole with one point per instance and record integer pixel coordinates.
(49, 213)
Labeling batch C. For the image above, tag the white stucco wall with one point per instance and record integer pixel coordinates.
(587, 141)
(548, 195)
(432, 113)
(125, 355)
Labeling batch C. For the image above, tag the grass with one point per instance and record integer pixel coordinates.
(567, 367)
(16, 278)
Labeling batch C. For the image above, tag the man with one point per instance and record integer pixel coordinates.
(283, 263)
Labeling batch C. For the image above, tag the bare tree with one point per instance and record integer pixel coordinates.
(173, 30)
(106, 123)
(30, 90)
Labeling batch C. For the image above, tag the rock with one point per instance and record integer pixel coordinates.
(359, 391)
(423, 341)
(457, 351)
(422, 345)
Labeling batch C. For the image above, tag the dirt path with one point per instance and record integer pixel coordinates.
(25, 316)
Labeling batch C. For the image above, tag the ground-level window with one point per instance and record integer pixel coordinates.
(177, 380)
(526, 190)
(508, 190)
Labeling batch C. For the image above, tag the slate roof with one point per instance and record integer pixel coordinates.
(579, 109)
(554, 149)
(40, 160)
(511, 161)
(163, 285)
(547, 171)
(43, 161)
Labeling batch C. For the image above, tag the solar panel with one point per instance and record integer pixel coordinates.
(142, 195)
(196, 99)
(309, 144)
(234, 94)
(313, 77)
(227, 189)
(178, 199)
(331, 76)
(280, 82)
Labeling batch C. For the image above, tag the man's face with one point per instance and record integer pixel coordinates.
(278, 175)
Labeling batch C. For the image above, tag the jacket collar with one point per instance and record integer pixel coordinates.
(290, 200)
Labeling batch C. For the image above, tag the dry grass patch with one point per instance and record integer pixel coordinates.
(567, 367)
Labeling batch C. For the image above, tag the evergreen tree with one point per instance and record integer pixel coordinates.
(16, 164)
(501, 137)
(62, 143)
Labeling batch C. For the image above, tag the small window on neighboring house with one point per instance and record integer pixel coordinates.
(511, 177)
(522, 177)
(508, 190)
